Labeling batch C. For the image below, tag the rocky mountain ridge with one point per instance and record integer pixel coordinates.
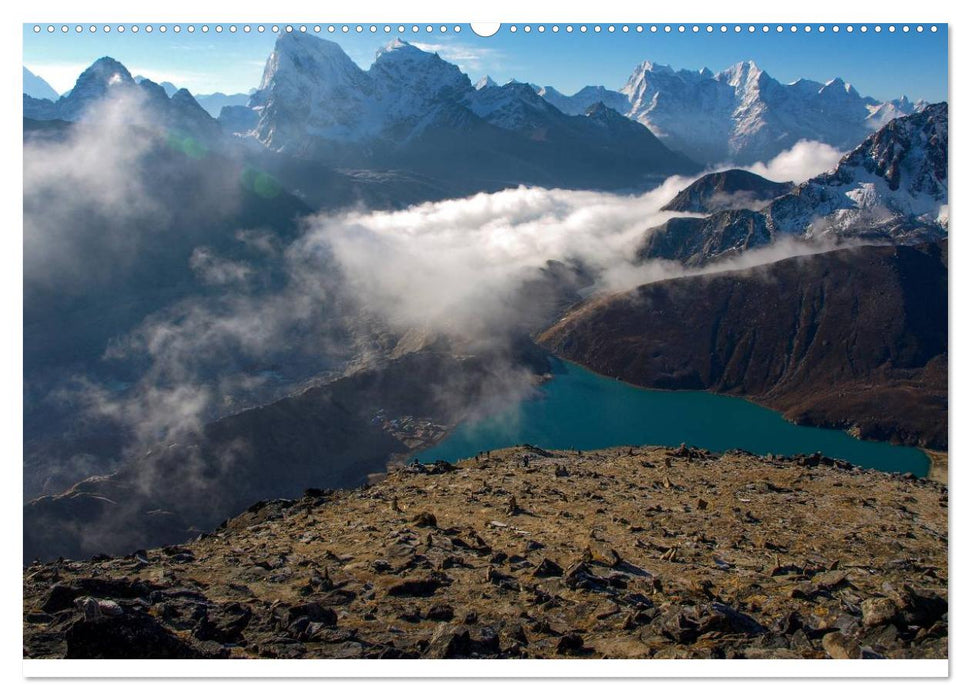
(633, 552)
(740, 115)
(892, 188)
(727, 189)
(413, 110)
(853, 338)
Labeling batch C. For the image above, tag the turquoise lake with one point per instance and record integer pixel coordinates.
(578, 409)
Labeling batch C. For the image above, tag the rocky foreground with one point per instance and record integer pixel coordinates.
(627, 552)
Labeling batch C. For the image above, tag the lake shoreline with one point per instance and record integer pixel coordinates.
(595, 409)
(939, 465)
(852, 431)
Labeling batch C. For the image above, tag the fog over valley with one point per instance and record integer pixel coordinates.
(331, 276)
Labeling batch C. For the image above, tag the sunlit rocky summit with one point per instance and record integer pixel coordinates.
(629, 552)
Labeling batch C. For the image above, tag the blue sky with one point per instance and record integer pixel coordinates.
(883, 65)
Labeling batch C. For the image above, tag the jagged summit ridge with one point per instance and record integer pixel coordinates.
(144, 102)
(896, 180)
(311, 84)
(484, 82)
(740, 114)
(315, 101)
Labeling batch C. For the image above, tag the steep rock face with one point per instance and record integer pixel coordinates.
(101, 77)
(727, 189)
(699, 241)
(891, 188)
(896, 177)
(851, 338)
(310, 86)
(411, 83)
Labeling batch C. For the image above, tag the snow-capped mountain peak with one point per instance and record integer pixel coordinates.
(104, 75)
(395, 44)
(402, 68)
(484, 82)
(741, 73)
(652, 67)
(895, 182)
(300, 60)
(743, 115)
(310, 84)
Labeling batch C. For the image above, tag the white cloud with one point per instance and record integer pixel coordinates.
(458, 265)
(71, 185)
(804, 160)
(470, 59)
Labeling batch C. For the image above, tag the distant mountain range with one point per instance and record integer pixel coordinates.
(37, 87)
(213, 102)
(177, 111)
(740, 115)
(411, 108)
(411, 112)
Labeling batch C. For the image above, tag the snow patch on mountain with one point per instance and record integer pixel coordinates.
(484, 82)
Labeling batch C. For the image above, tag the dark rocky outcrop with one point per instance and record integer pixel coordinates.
(727, 189)
(698, 241)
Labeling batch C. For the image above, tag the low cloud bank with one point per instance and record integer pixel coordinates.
(457, 268)
(804, 160)
(350, 286)
(455, 264)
